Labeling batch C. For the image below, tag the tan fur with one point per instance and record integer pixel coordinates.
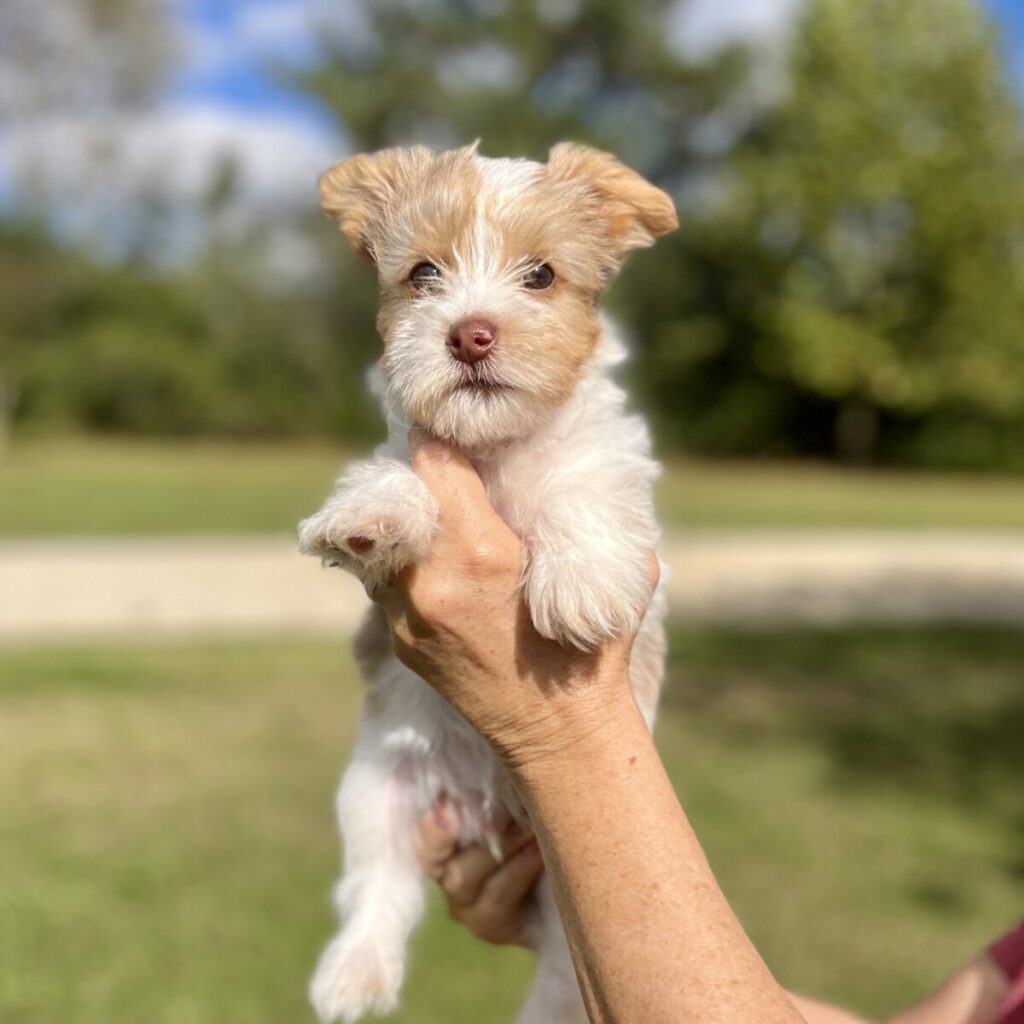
(361, 193)
(635, 213)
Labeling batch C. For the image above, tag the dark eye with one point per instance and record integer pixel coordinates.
(423, 274)
(539, 278)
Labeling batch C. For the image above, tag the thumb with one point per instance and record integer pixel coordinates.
(451, 478)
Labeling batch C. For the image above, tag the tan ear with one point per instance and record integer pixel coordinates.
(635, 211)
(357, 193)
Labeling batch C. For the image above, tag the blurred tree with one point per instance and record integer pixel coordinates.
(75, 64)
(868, 252)
(520, 75)
(33, 273)
(61, 63)
(80, 55)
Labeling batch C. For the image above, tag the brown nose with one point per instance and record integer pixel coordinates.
(471, 340)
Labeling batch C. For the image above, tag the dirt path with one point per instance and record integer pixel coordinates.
(68, 588)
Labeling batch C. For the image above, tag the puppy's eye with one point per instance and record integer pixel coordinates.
(539, 278)
(423, 274)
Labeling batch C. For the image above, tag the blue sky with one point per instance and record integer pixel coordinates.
(228, 46)
(1009, 15)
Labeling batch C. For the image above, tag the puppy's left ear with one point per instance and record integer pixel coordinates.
(359, 192)
(635, 211)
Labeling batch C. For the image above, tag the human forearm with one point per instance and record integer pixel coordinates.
(653, 937)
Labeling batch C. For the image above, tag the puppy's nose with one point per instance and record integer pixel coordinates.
(471, 340)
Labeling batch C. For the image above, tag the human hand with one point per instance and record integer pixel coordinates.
(458, 620)
(487, 896)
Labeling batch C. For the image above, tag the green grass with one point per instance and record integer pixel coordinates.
(738, 494)
(167, 843)
(93, 486)
(104, 486)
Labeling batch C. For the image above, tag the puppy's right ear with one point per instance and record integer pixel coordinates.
(358, 193)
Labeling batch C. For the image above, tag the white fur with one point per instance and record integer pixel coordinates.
(575, 483)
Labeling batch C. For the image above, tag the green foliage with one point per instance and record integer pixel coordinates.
(520, 75)
(867, 255)
(129, 348)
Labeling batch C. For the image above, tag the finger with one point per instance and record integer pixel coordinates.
(451, 478)
(437, 838)
(503, 891)
(465, 874)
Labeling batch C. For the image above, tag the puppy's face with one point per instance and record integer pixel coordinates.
(490, 272)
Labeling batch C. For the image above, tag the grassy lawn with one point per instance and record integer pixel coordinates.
(167, 844)
(93, 486)
(103, 486)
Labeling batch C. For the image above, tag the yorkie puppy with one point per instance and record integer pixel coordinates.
(490, 273)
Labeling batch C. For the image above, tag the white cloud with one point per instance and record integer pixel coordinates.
(96, 174)
(176, 151)
(283, 29)
(266, 31)
(703, 28)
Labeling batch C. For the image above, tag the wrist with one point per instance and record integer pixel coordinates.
(575, 729)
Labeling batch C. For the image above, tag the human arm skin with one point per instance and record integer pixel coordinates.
(653, 938)
(490, 897)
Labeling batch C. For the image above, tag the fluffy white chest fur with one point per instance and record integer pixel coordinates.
(490, 272)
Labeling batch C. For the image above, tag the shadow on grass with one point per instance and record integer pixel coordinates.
(938, 713)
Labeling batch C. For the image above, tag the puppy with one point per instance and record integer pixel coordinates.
(490, 273)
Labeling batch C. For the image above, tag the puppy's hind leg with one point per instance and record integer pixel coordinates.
(379, 897)
(555, 996)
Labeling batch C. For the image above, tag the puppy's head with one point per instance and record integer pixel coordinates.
(490, 272)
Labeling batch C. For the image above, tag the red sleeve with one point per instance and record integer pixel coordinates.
(1008, 952)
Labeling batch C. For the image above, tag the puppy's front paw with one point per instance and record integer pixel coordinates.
(363, 543)
(355, 977)
(583, 602)
(380, 520)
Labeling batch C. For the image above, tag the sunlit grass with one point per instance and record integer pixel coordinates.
(167, 842)
(793, 494)
(94, 486)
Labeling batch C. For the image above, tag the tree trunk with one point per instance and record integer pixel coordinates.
(856, 431)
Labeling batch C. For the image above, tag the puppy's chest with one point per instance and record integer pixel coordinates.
(512, 485)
